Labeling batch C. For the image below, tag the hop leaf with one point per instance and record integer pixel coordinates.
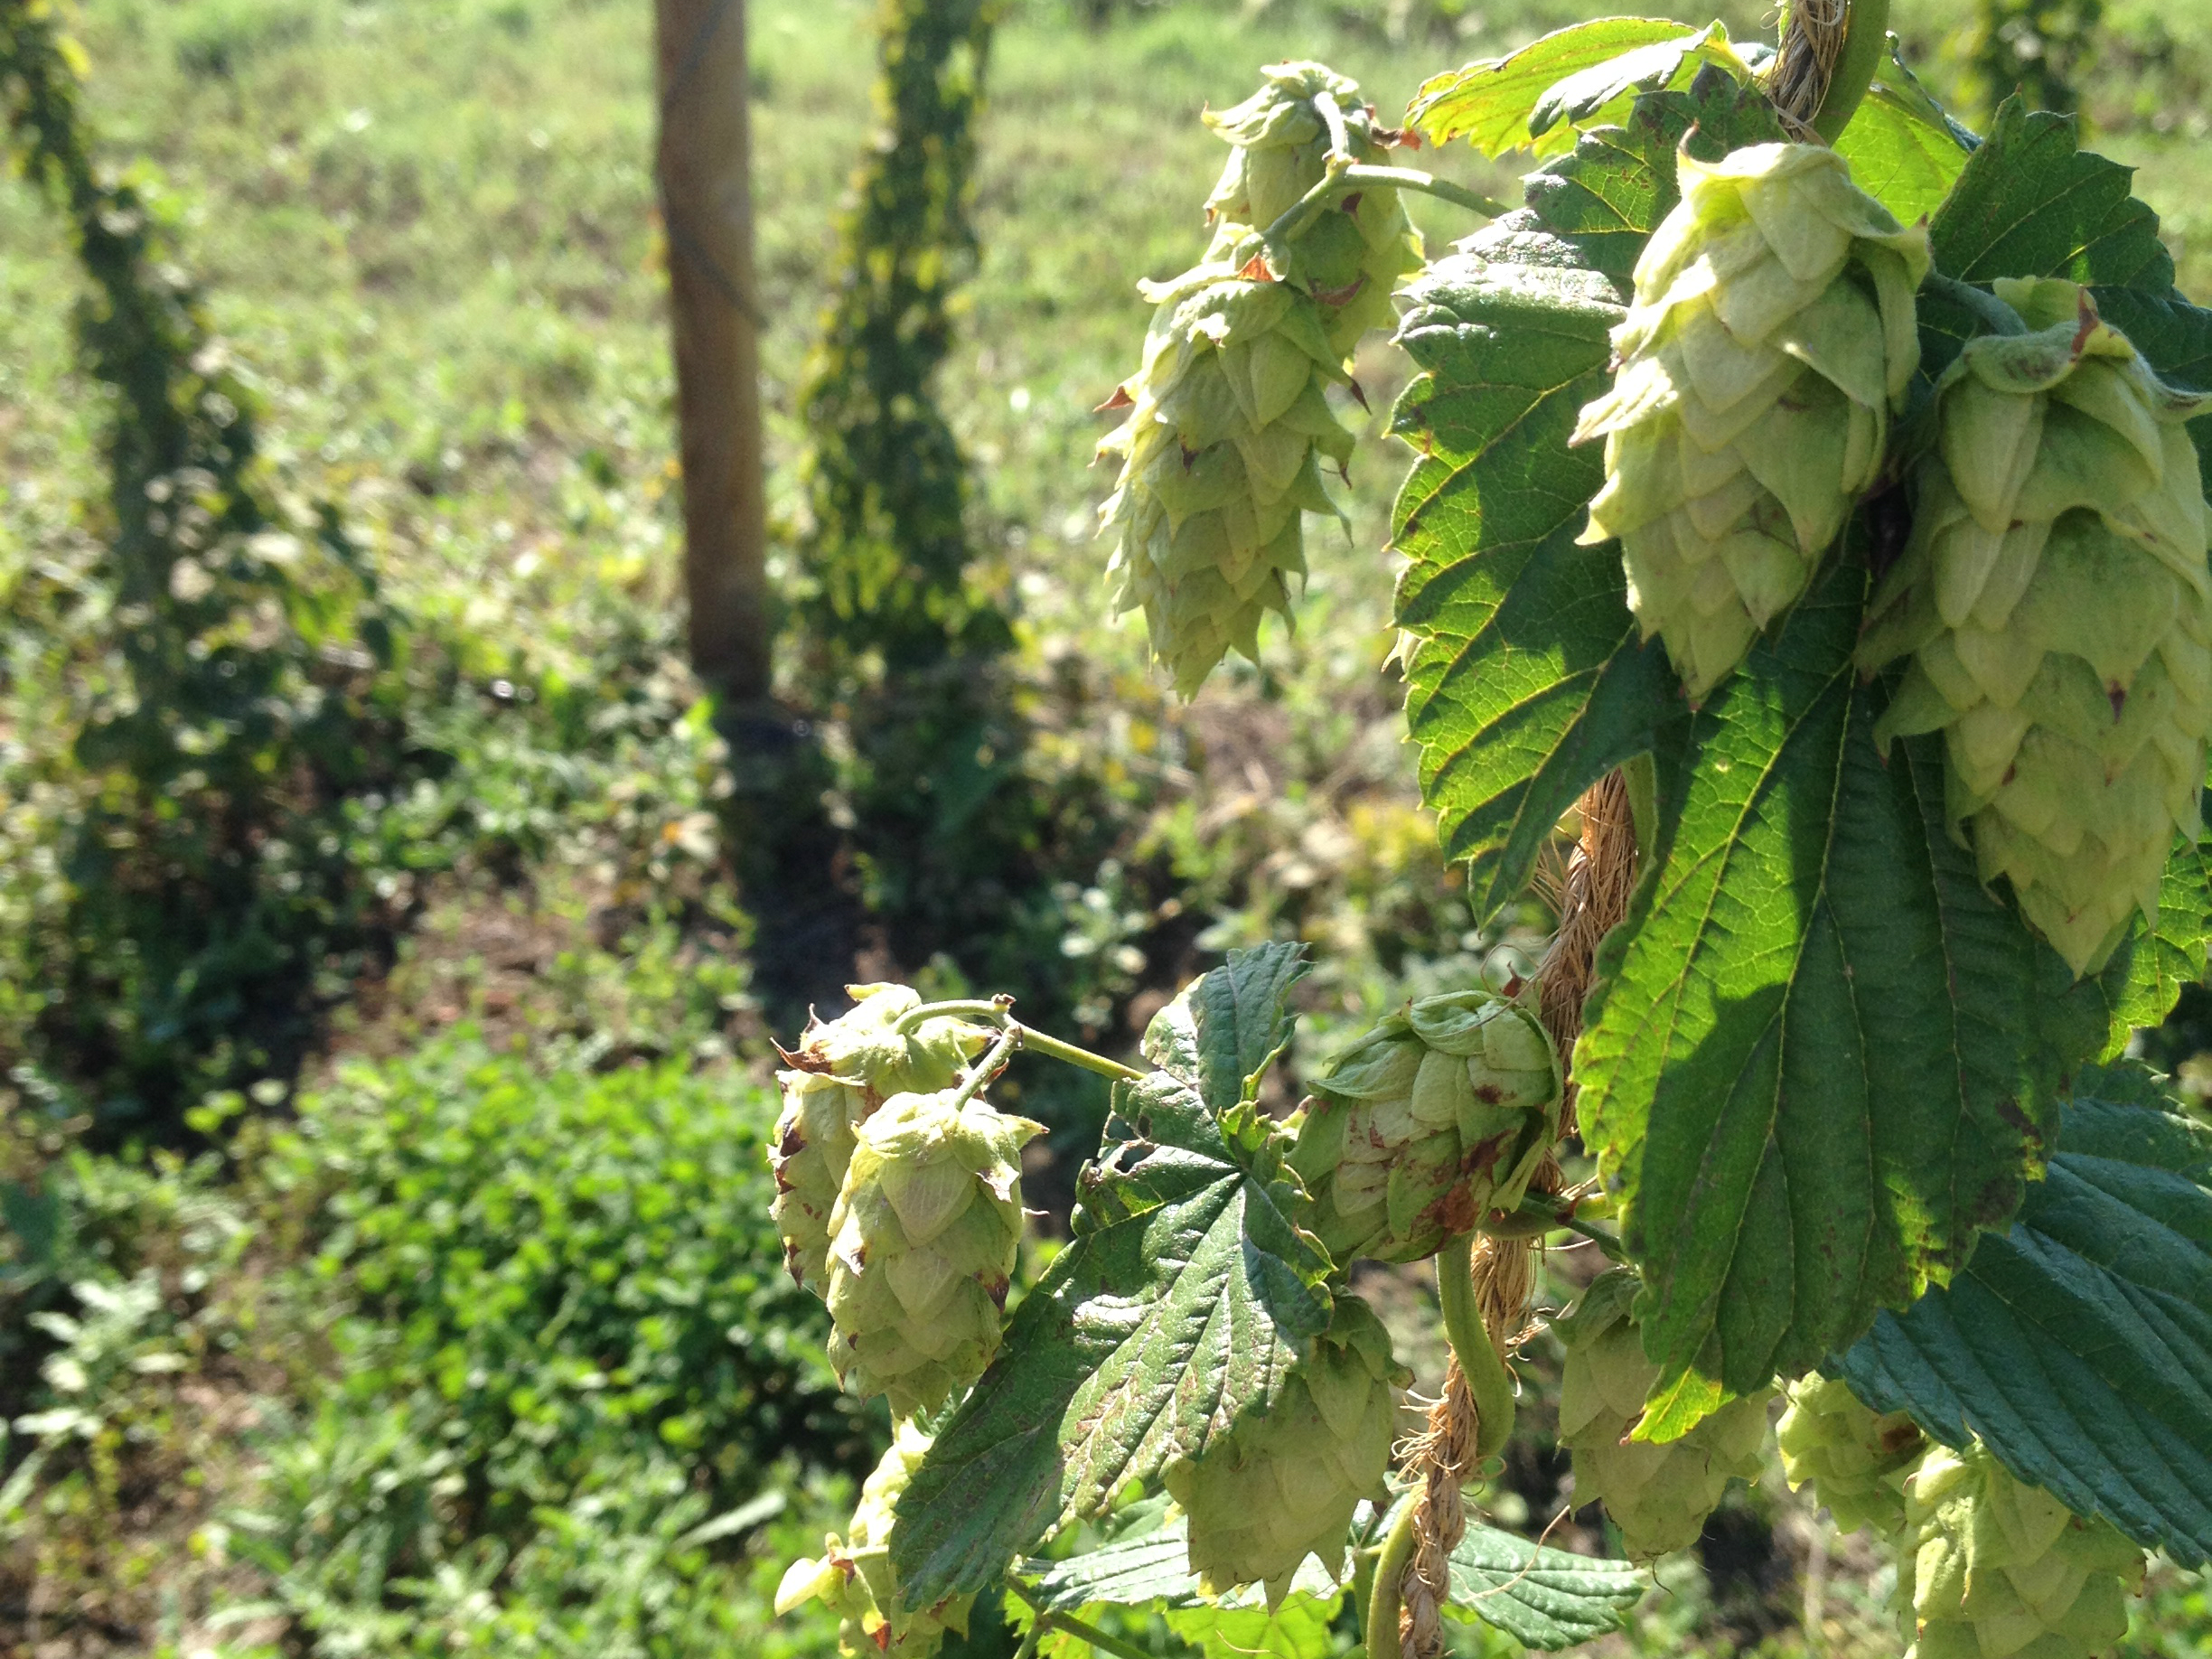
(1282, 1486)
(1228, 423)
(853, 1576)
(1857, 1461)
(1438, 1115)
(1772, 337)
(1658, 1496)
(923, 1244)
(2057, 606)
(1991, 1568)
(845, 1069)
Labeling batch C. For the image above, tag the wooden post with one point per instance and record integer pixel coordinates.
(704, 165)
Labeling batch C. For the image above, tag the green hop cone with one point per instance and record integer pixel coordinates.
(1991, 1568)
(1658, 1496)
(1771, 338)
(1229, 424)
(921, 1248)
(1438, 1115)
(2055, 602)
(843, 1070)
(1857, 1461)
(1282, 1486)
(853, 1577)
(1350, 256)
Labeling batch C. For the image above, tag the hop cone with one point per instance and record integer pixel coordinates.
(1857, 1461)
(1658, 1496)
(1439, 1114)
(921, 1247)
(1228, 425)
(1350, 256)
(853, 1578)
(1771, 337)
(843, 1071)
(1282, 1486)
(1995, 1568)
(2054, 601)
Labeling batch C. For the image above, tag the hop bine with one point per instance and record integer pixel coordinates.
(2056, 609)
(1282, 1486)
(853, 1577)
(1658, 1496)
(1228, 423)
(923, 1246)
(1991, 1568)
(1438, 1115)
(1856, 1460)
(845, 1069)
(1771, 338)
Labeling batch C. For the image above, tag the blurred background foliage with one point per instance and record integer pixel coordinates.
(386, 1270)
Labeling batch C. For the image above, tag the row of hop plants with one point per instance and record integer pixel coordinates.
(1864, 554)
(224, 690)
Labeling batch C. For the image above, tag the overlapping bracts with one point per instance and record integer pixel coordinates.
(853, 1577)
(843, 1070)
(2056, 606)
(1282, 1486)
(1229, 427)
(921, 1247)
(1438, 1115)
(1771, 338)
(1658, 1496)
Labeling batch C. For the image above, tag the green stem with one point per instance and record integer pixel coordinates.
(1054, 1048)
(1099, 1639)
(994, 1059)
(1866, 35)
(1390, 1570)
(1990, 311)
(1542, 1212)
(1342, 178)
(997, 1012)
(1479, 1363)
(1340, 140)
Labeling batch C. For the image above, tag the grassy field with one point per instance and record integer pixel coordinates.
(427, 226)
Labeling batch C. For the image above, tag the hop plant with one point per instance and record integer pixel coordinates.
(844, 1069)
(1991, 1568)
(923, 1244)
(1228, 422)
(1439, 1114)
(1772, 335)
(2055, 605)
(1281, 1487)
(1658, 1496)
(853, 1577)
(1857, 1461)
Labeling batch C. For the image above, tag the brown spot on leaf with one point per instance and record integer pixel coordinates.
(1256, 269)
(2116, 695)
(1119, 400)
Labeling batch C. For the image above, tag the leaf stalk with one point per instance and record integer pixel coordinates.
(1866, 35)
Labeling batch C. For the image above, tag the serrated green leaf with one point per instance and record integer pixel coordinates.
(2031, 203)
(1609, 196)
(1904, 150)
(1152, 1568)
(2078, 1344)
(1603, 91)
(1488, 103)
(1525, 680)
(1220, 1036)
(1821, 1054)
(1185, 1297)
(1543, 1597)
(2169, 955)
